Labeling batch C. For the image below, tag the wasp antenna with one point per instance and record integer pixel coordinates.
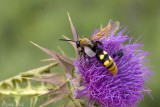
(67, 40)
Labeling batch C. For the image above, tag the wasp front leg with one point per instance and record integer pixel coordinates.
(80, 52)
(83, 53)
(89, 61)
(119, 53)
(84, 58)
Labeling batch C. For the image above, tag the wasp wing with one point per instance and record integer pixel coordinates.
(89, 51)
(109, 29)
(114, 26)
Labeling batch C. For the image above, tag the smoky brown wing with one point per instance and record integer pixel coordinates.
(89, 51)
(109, 29)
(114, 26)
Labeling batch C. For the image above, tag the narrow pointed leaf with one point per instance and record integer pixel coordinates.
(38, 71)
(55, 78)
(50, 59)
(72, 28)
(72, 43)
(35, 101)
(64, 61)
(68, 67)
(57, 98)
(61, 50)
(76, 81)
(54, 54)
(78, 103)
(74, 33)
(17, 100)
(48, 75)
(69, 102)
(64, 89)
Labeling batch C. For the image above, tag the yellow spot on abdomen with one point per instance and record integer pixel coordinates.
(104, 52)
(106, 63)
(110, 59)
(101, 57)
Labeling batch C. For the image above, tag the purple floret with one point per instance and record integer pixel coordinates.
(126, 88)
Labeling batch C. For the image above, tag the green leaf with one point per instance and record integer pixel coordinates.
(10, 87)
(11, 82)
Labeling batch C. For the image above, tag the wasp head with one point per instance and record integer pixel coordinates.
(78, 44)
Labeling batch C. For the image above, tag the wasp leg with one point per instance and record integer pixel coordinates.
(119, 53)
(89, 62)
(80, 52)
(85, 59)
(84, 54)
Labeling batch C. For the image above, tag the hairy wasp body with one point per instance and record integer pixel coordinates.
(89, 47)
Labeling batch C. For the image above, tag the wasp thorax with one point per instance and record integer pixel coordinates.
(85, 41)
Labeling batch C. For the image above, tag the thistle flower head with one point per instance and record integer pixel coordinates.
(124, 89)
(94, 81)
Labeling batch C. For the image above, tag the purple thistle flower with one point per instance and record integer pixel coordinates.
(126, 88)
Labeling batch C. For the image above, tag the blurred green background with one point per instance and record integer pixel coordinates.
(45, 21)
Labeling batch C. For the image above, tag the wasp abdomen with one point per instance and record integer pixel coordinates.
(107, 62)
